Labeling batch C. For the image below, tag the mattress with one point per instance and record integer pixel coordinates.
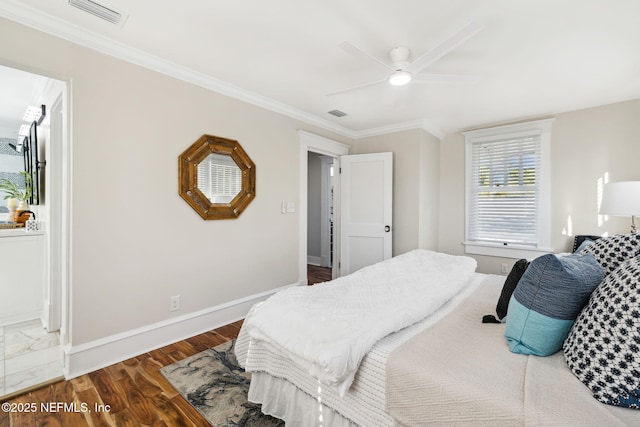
(286, 391)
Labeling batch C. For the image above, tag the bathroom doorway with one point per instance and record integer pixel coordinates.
(32, 262)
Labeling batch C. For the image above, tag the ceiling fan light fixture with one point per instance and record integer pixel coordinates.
(400, 78)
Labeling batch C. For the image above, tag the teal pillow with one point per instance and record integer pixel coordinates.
(548, 299)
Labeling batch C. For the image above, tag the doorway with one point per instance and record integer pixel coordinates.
(320, 220)
(30, 354)
(320, 210)
(362, 221)
(314, 146)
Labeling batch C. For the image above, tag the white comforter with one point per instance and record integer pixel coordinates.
(328, 329)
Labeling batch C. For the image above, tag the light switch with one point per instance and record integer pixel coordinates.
(283, 207)
(291, 207)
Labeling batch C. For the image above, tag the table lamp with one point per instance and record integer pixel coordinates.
(621, 199)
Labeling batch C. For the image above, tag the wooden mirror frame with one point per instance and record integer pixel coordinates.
(188, 177)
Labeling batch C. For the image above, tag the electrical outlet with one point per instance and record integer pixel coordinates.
(504, 268)
(174, 303)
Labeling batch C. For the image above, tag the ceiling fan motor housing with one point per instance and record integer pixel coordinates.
(399, 56)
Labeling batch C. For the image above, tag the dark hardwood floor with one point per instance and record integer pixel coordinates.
(316, 274)
(135, 391)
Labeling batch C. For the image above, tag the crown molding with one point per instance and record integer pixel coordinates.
(36, 19)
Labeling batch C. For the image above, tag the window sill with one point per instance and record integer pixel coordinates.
(509, 251)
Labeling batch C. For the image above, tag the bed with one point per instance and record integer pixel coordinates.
(444, 368)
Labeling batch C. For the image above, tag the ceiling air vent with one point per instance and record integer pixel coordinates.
(98, 10)
(337, 113)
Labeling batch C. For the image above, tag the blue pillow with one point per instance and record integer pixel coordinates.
(547, 301)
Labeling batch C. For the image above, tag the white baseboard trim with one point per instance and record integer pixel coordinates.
(84, 358)
(314, 260)
(320, 261)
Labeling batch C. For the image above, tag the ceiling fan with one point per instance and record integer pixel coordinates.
(402, 71)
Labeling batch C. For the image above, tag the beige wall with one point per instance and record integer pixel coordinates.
(586, 146)
(415, 186)
(429, 193)
(135, 242)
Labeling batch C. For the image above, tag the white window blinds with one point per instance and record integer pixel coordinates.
(218, 181)
(504, 190)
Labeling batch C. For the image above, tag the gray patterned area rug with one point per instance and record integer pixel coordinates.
(214, 384)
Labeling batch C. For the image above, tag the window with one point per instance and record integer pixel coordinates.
(507, 190)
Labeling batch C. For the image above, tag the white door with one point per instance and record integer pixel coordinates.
(365, 210)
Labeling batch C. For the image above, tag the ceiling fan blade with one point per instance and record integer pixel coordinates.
(443, 48)
(338, 92)
(444, 78)
(356, 51)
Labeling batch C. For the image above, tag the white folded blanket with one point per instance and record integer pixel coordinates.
(327, 329)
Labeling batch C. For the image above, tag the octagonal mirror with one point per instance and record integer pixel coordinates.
(216, 177)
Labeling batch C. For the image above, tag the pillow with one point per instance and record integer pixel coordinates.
(611, 251)
(546, 302)
(582, 240)
(583, 245)
(603, 347)
(509, 286)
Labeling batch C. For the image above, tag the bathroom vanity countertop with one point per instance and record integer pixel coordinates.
(19, 232)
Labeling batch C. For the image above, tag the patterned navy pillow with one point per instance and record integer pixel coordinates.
(603, 346)
(611, 251)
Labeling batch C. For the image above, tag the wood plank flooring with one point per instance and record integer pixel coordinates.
(316, 274)
(135, 391)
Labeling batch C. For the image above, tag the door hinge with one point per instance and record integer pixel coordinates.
(339, 170)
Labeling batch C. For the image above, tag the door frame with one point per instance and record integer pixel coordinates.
(57, 309)
(57, 104)
(328, 147)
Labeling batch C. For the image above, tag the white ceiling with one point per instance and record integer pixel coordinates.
(533, 57)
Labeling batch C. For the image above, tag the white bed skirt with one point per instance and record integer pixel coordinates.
(281, 399)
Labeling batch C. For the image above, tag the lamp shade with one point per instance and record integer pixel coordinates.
(621, 198)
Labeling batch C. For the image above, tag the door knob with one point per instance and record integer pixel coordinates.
(387, 228)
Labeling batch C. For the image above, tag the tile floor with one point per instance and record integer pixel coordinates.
(29, 355)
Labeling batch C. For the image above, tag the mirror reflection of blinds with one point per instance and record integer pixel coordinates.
(504, 191)
(218, 181)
